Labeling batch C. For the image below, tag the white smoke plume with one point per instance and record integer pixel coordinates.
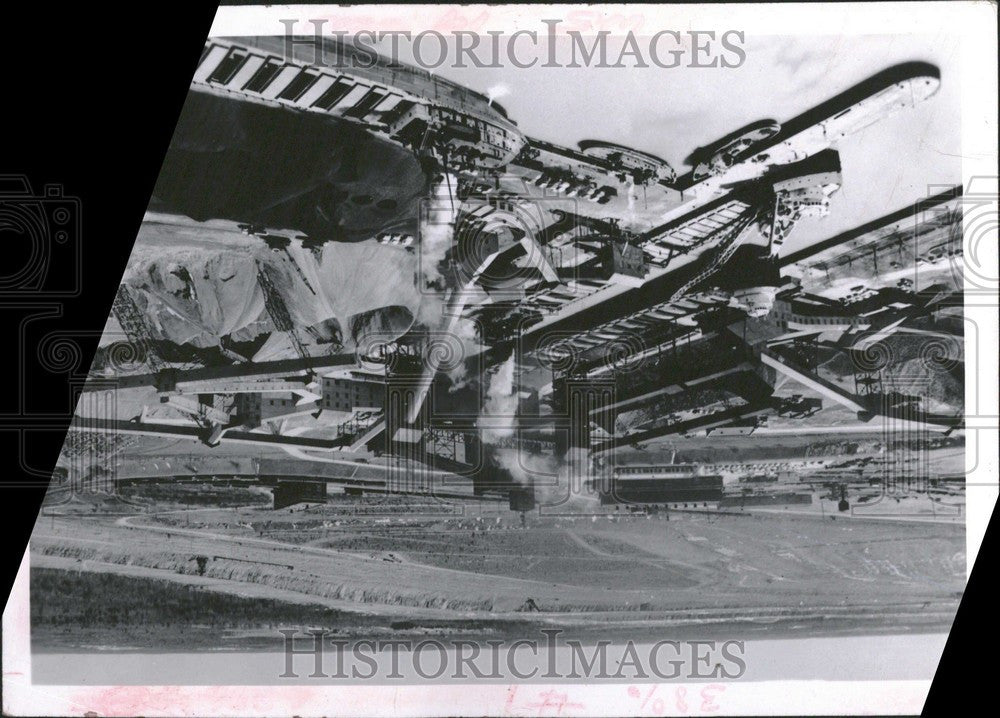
(497, 91)
(501, 404)
(464, 330)
(435, 241)
(551, 480)
(437, 229)
(527, 468)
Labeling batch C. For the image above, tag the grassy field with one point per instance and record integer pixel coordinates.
(84, 610)
(205, 578)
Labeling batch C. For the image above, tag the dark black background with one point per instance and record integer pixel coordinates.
(90, 96)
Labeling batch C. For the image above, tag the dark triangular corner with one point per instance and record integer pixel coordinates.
(963, 675)
(97, 98)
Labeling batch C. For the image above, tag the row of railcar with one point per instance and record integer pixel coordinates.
(406, 104)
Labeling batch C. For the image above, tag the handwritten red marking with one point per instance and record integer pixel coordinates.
(708, 695)
(653, 704)
(681, 704)
(553, 701)
(509, 705)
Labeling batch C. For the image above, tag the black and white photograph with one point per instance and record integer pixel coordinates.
(533, 361)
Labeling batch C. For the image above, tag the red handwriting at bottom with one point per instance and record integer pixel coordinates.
(679, 700)
(552, 703)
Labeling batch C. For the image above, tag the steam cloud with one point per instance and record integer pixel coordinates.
(497, 91)
(500, 405)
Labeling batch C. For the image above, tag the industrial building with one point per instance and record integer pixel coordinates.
(353, 390)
